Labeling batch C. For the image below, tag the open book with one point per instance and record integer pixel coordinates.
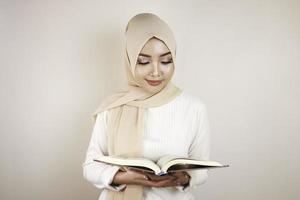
(165, 164)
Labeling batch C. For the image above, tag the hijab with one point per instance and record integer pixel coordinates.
(126, 108)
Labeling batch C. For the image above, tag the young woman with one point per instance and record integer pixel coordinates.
(150, 118)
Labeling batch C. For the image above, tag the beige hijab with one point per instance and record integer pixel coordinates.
(125, 121)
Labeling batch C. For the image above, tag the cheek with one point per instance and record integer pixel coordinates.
(140, 73)
(168, 71)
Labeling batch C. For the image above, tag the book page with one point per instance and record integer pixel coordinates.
(123, 160)
(167, 158)
(169, 163)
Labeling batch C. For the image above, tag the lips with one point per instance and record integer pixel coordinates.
(153, 82)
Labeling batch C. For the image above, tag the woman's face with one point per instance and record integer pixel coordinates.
(155, 66)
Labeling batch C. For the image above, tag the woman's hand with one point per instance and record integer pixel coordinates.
(179, 178)
(182, 177)
(132, 176)
(137, 177)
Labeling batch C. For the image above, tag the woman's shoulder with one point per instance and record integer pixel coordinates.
(192, 101)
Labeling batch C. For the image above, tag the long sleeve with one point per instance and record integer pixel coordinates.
(199, 149)
(99, 174)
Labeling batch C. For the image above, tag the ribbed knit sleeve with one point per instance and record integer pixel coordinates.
(199, 149)
(99, 174)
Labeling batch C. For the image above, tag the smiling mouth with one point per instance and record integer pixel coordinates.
(153, 83)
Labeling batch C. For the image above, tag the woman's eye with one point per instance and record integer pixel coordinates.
(166, 62)
(142, 63)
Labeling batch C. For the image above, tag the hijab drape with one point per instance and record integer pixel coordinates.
(125, 116)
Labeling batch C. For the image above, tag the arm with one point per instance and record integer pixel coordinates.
(108, 176)
(100, 175)
(199, 149)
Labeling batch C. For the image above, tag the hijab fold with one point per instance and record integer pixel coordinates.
(126, 108)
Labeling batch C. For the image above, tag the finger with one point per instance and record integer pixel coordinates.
(163, 183)
(150, 175)
(169, 181)
(177, 173)
(181, 176)
(136, 170)
(176, 182)
(160, 178)
(144, 182)
(180, 181)
(137, 175)
(152, 183)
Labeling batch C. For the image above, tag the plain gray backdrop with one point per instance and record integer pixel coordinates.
(59, 59)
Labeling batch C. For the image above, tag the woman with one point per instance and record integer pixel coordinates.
(150, 118)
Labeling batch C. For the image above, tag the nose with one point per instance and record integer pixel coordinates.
(155, 69)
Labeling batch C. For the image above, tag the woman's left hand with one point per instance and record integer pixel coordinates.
(181, 178)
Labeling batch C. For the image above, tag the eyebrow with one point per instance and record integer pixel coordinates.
(145, 55)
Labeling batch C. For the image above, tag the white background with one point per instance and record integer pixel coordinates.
(59, 59)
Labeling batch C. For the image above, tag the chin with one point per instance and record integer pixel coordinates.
(154, 89)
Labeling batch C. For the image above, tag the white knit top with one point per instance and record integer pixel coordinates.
(180, 127)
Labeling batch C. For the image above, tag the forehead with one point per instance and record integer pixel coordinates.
(154, 46)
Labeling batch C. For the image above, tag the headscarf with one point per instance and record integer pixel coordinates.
(126, 108)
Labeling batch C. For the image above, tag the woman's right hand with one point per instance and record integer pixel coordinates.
(132, 176)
